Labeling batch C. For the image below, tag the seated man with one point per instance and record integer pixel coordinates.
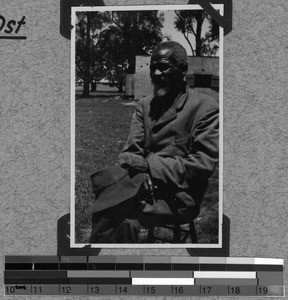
(174, 140)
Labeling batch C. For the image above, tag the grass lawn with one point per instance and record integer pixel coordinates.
(102, 126)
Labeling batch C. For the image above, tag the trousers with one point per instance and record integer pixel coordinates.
(118, 224)
(105, 232)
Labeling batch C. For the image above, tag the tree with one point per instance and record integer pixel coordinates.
(107, 43)
(130, 33)
(113, 57)
(190, 22)
(88, 66)
(141, 32)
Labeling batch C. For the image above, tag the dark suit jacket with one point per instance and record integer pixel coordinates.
(180, 145)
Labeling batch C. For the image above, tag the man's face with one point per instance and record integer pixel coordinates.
(165, 74)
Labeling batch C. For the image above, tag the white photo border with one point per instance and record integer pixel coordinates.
(220, 8)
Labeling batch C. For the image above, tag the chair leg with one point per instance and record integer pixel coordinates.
(176, 234)
(193, 234)
(150, 238)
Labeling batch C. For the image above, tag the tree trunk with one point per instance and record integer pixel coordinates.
(120, 87)
(87, 76)
(85, 93)
(93, 86)
(199, 19)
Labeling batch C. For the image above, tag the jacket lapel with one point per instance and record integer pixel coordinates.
(167, 117)
(181, 100)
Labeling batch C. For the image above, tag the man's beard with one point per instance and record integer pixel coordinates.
(161, 88)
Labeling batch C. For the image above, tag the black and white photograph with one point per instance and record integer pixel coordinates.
(144, 149)
(146, 127)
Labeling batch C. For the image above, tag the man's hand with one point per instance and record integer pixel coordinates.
(149, 189)
(133, 162)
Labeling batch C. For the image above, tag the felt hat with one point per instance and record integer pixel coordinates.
(113, 185)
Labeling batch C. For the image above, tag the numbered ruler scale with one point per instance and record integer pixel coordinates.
(143, 275)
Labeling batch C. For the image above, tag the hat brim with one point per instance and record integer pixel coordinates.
(115, 194)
